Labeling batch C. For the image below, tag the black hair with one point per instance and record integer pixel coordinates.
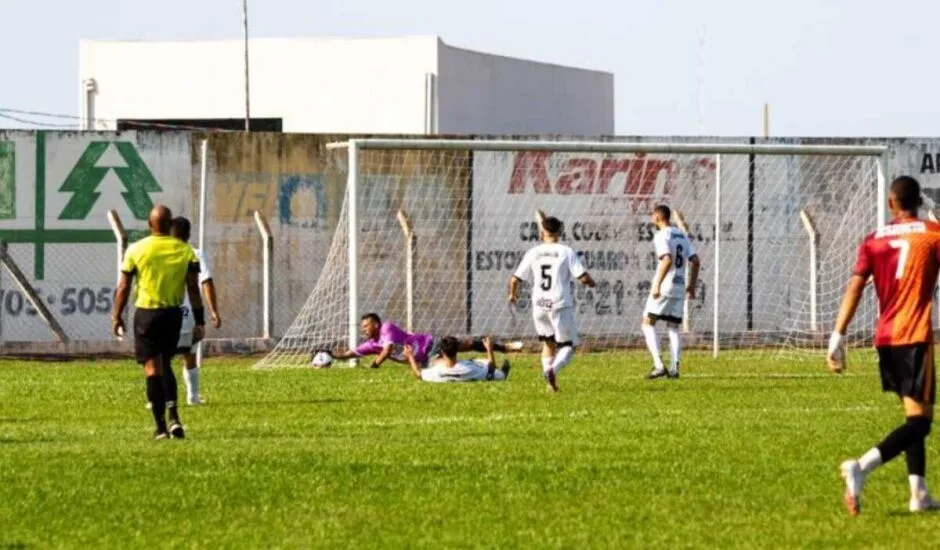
(906, 191)
(449, 347)
(663, 211)
(373, 317)
(181, 228)
(552, 225)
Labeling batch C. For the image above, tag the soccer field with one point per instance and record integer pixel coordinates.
(741, 452)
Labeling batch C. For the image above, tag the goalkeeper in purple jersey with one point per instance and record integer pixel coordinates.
(386, 340)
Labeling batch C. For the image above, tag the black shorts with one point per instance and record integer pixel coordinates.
(186, 350)
(908, 371)
(156, 332)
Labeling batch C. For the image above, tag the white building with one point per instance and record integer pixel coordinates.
(407, 85)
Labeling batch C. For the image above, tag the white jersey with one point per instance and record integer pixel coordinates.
(550, 267)
(465, 370)
(205, 273)
(672, 242)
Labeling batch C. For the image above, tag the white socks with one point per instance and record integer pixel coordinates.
(675, 347)
(918, 486)
(547, 363)
(191, 377)
(652, 342)
(562, 358)
(870, 460)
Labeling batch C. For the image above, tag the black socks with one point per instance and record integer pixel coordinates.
(908, 437)
(157, 401)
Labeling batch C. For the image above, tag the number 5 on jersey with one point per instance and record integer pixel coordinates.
(546, 277)
(903, 248)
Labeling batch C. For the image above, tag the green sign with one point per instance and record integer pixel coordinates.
(82, 182)
(86, 176)
(7, 180)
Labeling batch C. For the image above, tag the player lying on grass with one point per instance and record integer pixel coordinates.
(385, 340)
(903, 258)
(551, 266)
(447, 368)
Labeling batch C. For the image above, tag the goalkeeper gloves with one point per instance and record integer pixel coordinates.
(836, 354)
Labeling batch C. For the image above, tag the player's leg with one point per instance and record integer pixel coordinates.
(899, 373)
(172, 321)
(675, 349)
(673, 318)
(548, 357)
(148, 356)
(919, 406)
(650, 316)
(477, 346)
(190, 370)
(546, 334)
(191, 377)
(566, 337)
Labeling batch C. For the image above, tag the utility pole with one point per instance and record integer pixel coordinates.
(247, 81)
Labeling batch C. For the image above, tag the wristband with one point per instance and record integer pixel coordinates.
(199, 314)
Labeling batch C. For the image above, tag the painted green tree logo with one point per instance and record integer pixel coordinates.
(86, 176)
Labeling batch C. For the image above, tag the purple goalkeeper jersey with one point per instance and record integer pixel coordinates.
(398, 338)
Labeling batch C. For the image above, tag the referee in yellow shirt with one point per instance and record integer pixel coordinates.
(164, 266)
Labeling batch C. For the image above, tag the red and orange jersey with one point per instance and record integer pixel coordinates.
(903, 258)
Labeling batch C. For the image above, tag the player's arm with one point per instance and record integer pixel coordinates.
(123, 290)
(517, 276)
(195, 298)
(576, 268)
(665, 264)
(345, 354)
(853, 296)
(208, 289)
(694, 266)
(121, 295)
(382, 356)
(513, 289)
(410, 356)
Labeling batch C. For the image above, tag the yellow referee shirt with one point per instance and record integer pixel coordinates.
(160, 264)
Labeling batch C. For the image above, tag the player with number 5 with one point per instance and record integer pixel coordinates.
(551, 266)
(902, 258)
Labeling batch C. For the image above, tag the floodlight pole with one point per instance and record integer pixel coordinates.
(247, 81)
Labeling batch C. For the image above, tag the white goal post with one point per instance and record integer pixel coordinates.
(741, 203)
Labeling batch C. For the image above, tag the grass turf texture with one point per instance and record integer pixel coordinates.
(741, 452)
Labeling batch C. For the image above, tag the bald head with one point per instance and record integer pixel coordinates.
(160, 220)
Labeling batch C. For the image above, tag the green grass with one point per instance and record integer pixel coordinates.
(738, 453)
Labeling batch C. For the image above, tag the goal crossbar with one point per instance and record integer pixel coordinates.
(610, 147)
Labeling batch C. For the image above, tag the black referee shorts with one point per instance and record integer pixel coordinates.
(908, 371)
(156, 332)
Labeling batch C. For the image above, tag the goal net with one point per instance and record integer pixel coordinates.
(776, 228)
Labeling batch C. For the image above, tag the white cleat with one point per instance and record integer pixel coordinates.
(923, 503)
(851, 472)
(516, 345)
(194, 401)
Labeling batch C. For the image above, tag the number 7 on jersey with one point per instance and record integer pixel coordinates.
(903, 248)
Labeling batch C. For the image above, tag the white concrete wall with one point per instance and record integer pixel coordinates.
(314, 85)
(489, 94)
(345, 86)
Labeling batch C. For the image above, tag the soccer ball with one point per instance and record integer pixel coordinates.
(322, 359)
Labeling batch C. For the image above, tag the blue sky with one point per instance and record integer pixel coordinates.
(826, 67)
